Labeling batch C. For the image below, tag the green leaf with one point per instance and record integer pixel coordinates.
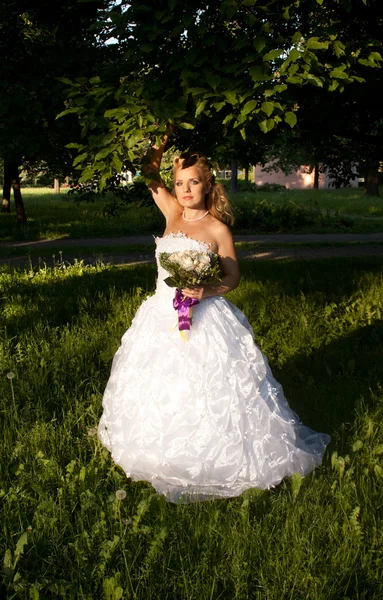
(116, 163)
(230, 96)
(103, 153)
(33, 593)
(315, 44)
(333, 86)
(196, 90)
(259, 43)
(65, 80)
(295, 79)
(273, 54)
(214, 81)
(296, 37)
(86, 174)
(266, 125)
(294, 54)
(200, 106)
(74, 145)
(243, 133)
(79, 158)
(267, 108)
(227, 119)
(257, 74)
(170, 282)
(338, 73)
(280, 87)
(219, 105)
(8, 563)
(338, 48)
(314, 79)
(21, 542)
(290, 118)
(375, 56)
(185, 125)
(249, 107)
(94, 80)
(367, 63)
(70, 111)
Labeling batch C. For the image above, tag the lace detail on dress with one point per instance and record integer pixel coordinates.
(181, 234)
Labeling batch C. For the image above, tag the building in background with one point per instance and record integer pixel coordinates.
(300, 179)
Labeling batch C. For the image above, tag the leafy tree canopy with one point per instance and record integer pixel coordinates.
(236, 62)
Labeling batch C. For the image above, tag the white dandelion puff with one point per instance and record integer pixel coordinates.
(120, 494)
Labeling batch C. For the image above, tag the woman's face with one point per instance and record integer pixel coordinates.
(189, 188)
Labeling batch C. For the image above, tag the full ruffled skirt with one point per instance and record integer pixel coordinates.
(202, 418)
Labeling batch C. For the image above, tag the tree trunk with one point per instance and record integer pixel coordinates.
(372, 177)
(247, 173)
(234, 177)
(6, 201)
(316, 176)
(15, 179)
(56, 186)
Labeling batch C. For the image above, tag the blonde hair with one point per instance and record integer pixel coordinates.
(216, 201)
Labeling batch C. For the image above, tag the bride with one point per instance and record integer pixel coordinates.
(200, 418)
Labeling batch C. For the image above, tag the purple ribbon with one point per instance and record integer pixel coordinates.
(183, 304)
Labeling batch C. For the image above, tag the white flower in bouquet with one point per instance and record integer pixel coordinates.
(187, 263)
(190, 268)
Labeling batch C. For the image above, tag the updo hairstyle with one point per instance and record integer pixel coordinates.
(216, 201)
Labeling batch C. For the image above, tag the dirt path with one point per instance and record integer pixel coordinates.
(277, 238)
(264, 247)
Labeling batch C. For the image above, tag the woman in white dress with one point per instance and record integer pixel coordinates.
(202, 418)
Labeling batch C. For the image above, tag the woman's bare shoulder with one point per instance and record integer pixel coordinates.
(220, 230)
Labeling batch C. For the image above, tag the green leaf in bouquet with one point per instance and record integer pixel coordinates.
(170, 282)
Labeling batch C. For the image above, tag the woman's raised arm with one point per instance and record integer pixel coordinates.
(161, 195)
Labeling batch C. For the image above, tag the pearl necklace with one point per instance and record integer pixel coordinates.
(199, 218)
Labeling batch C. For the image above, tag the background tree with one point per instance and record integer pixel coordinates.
(342, 132)
(39, 42)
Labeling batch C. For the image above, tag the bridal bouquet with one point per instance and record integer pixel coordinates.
(187, 269)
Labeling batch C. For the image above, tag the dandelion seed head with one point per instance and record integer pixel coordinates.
(120, 494)
(10, 375)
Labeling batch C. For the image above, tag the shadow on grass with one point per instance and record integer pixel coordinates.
(334, 277)
(326, 386)
(60, 301)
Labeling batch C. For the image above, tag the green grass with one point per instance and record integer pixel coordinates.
(65, 534)
(352, 201)
(51, 216)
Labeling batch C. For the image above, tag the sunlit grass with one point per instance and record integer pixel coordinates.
(67, 535)
(351, 201)
(53, 216)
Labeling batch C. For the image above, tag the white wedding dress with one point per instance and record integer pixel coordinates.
(200, 418)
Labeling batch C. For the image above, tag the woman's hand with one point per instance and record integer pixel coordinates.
(197, 292)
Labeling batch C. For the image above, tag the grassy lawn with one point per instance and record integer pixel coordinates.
(350, 201)
(51, 216)
(66, 535)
